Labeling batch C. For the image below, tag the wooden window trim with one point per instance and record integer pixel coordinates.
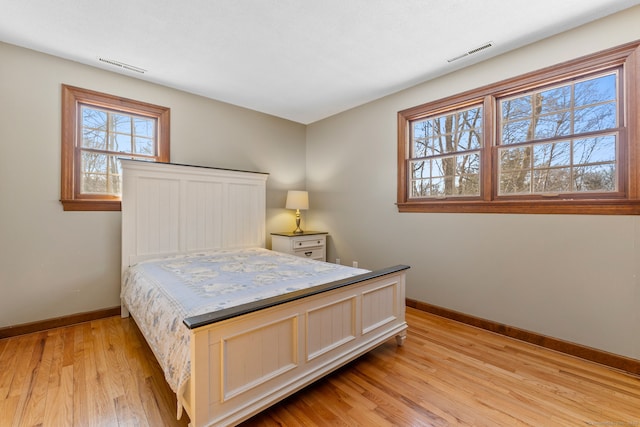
(627, 203)
(72, 98)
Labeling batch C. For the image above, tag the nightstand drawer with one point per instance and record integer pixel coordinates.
(317, 253)
(298, 243)
(309, 244)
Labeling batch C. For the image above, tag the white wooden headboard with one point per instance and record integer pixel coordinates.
(171, 209)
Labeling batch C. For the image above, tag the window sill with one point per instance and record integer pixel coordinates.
(572, 207)
(91, 205)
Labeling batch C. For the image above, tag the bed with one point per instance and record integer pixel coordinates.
(229, 350)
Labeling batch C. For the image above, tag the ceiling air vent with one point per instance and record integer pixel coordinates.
(471, 51)
(123, 65)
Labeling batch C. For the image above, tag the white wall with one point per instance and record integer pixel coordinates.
(55, 263)
(575, 277)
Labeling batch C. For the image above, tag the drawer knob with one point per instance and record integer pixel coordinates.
(308, 253)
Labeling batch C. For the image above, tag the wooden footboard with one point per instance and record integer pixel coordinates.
(241, 365)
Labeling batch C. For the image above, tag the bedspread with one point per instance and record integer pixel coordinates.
(161, 293)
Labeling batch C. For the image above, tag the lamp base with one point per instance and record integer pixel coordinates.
(298, 230)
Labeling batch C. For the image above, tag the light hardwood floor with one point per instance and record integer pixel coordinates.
(102, 373)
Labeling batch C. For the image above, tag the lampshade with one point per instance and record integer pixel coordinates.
(297, 199)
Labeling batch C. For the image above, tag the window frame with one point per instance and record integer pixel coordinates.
(72, 100)
(624, 202)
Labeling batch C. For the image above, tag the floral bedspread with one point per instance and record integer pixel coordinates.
(161, 293)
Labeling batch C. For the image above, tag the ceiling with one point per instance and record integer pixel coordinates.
(295, 59)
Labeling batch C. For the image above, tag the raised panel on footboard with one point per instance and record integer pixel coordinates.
(379, 306)
(330, 326)
(255, 356)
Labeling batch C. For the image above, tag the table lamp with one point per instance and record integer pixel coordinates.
(297, 200)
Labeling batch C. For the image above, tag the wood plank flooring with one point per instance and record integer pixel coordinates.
(102, 373)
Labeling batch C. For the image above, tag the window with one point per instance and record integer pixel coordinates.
(97, 130)
(561, 140)
(445, 154)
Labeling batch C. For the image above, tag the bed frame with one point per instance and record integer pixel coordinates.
(247, 358)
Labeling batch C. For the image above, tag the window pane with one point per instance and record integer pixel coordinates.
(468, 163)
(145, 146)
(596, 91)
(121, 143)
(420, 188)
(121, 123)
(515, 158)
(515, 182)
(100, 174)
(437, 187)
(594, 118)
(467, 181)
(440, 167)
(552, 180)
(594, 150)
(595, 178)
(92, 138)
(553, 100)
(517, 108)
(94, 119)
(144, 127)
(517, 131)
(469, 140)
(552, 125)
(554, 154)
(420, 169)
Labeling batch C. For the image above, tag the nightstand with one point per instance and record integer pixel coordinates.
(308, 244)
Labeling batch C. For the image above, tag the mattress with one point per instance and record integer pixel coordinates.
(161, 293)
